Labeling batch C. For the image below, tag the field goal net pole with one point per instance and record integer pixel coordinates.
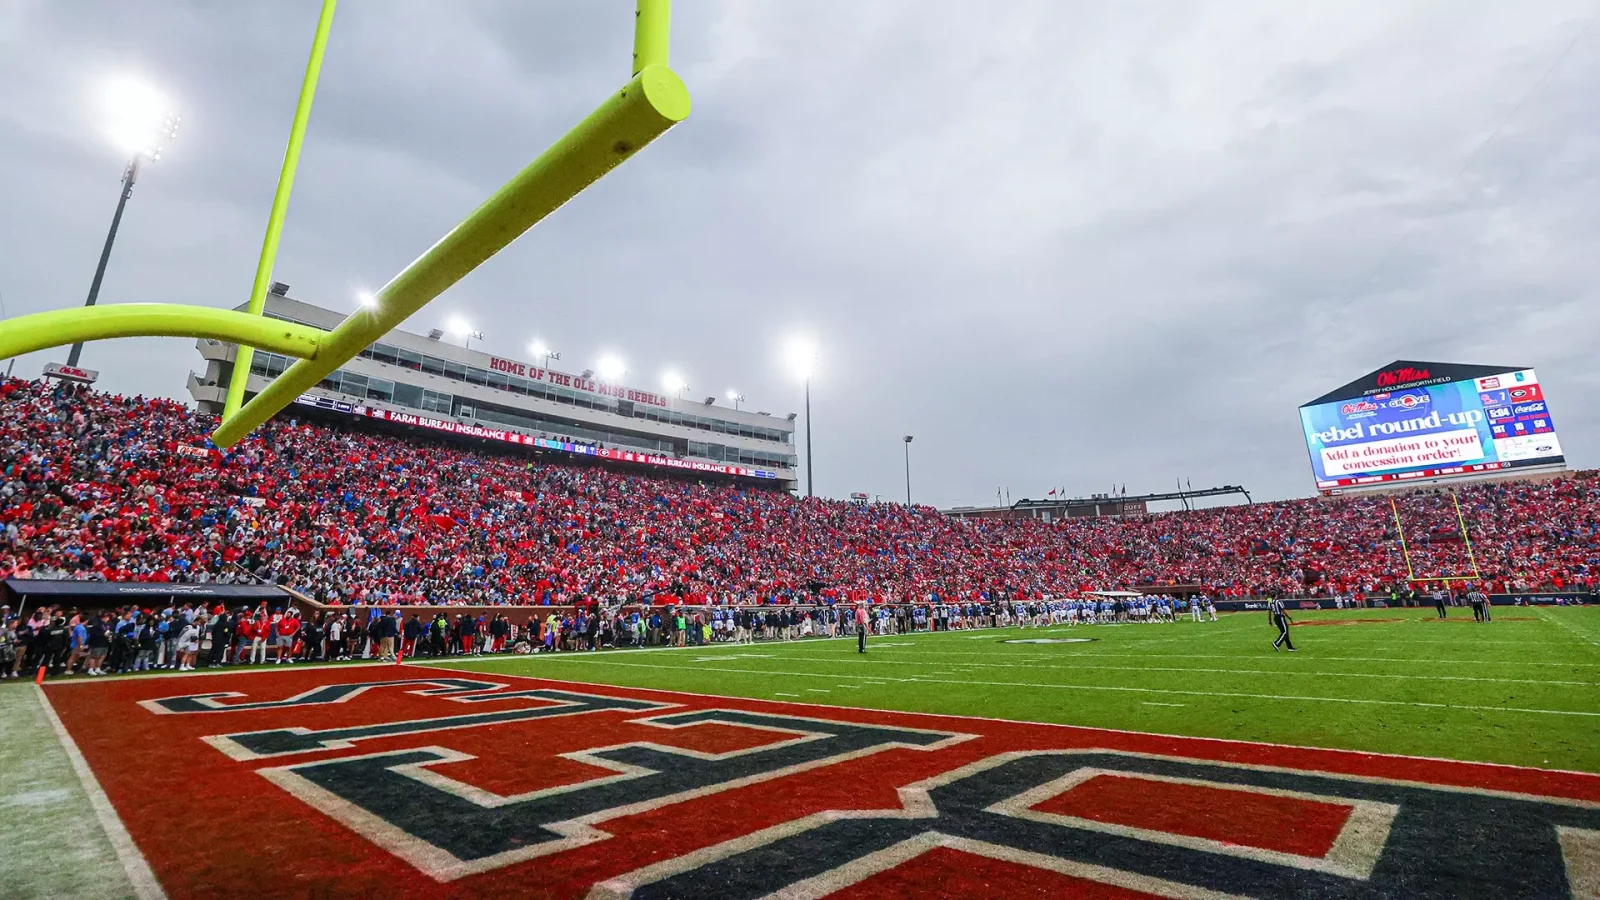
(1466, 540)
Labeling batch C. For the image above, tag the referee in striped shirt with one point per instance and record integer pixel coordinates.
(1280, 618)
(1480, 604)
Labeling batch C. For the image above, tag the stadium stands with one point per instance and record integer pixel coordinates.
(95, 486)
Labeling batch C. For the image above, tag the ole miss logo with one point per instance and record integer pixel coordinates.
(1402, 375)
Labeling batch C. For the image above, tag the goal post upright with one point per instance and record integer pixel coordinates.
(1466, 540)
(1466, 537)
(244, 354)
(1400, 530)
(652, 101)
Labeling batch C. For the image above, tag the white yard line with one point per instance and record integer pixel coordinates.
(1319, 673)
(1155, 703)
(145, 885)
(1081, 651)
(1362, 754)
(1142, 690)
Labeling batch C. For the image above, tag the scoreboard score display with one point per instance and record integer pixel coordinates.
(1416, 420)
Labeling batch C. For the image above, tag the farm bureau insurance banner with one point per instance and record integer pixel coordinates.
(1460, 428)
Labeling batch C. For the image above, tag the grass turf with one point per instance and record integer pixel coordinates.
(1524, 690)
(54, 844)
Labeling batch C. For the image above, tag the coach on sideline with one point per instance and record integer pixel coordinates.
(861, 628)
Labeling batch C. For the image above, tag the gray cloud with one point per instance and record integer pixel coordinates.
(1065, 244)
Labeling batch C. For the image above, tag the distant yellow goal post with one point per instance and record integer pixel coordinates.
(1466, 541)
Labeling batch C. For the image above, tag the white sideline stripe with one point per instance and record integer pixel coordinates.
(1154, 703)
(1319, 673)
(1136, 690)
(1567, 625)
(1335, 751)
(145, 885)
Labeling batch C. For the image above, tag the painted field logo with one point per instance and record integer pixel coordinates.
(319, 781)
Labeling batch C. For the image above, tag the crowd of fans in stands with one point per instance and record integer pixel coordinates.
(96, 486)
(55, 641)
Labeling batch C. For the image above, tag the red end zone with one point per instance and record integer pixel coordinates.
(342, 782)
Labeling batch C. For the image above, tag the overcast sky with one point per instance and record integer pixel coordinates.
(1063, 244)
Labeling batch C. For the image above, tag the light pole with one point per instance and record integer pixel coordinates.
(908, 470)
(803, 360)
(143, 127)
(674, 384)
(811, 484)
(736, 398)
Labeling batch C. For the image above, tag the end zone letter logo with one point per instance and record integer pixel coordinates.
(411, 782)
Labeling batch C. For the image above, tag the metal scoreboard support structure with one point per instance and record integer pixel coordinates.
(653, 100)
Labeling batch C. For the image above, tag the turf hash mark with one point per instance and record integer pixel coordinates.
(642, 793)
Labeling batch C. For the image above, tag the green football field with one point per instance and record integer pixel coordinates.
(1524, 689)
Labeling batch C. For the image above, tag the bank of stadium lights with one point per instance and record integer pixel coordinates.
(138, 117)
(140, 121)
(458, 326)
(674, 383)
(610, 368)
(735, 398)
(540, 348)
(800, 355)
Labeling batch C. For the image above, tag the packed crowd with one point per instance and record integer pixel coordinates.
(54, 641)
(96, 486)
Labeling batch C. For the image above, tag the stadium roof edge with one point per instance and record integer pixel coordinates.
(1408, 373)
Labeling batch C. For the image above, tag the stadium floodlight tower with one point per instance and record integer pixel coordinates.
(459, 327)
(735, 398)
(652, 101)
(802, 358)
(141, 122)
(674, 383)
(540, 348)
(908, 470)
(610, 368)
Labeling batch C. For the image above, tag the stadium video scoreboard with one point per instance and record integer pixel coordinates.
(1429, 421)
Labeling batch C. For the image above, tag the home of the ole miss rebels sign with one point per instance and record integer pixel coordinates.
(574, 382)
(408, 781)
